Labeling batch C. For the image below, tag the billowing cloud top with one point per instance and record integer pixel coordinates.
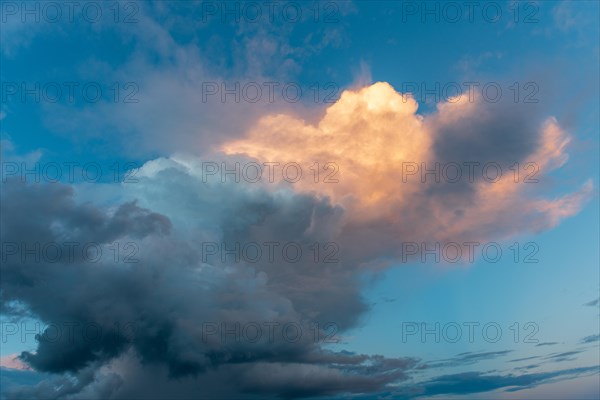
(382, 149)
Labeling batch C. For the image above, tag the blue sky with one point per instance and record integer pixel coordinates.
(353, 61)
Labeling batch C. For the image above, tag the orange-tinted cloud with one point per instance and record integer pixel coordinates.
(375, 136)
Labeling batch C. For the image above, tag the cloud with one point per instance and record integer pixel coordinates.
(525, 358)
(592, 303)
(590, 339)
(16, 379)
(86, 384)
(468, 358)
(476, 382)
(12, 361)
(564, 356)
(179, 65)
(175, 316)
(374, 134)
(168, 298)
(569, 18)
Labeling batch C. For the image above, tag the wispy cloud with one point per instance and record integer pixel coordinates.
(590, 339)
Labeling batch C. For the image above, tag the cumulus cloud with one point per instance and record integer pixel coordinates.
(174, 315)
(382, 148)
(161, 308)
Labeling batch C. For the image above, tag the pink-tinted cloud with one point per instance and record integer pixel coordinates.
(376, 138)
(12, 361)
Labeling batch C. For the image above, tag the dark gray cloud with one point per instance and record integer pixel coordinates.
(175, 313)
(495, 134)
(502, 132)
(323, 374)
(85, 384)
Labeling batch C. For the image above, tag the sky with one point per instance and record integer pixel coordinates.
(329, 200)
